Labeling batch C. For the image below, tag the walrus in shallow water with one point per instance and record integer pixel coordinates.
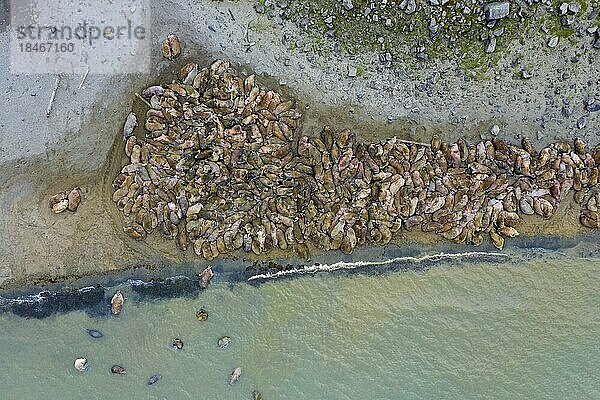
(205, 276)
(201, 314)
(153, 379)
(116, 303)
(117, 369)
(94, 333)
(80, 364)
(235, 375)
(224, 342)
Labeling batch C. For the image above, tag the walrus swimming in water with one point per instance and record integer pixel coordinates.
(201, 314)
(224, 342)
(235, 375)
(94, 333)
(153, 379)
(177, 344)
(80, 364)
(117, 369)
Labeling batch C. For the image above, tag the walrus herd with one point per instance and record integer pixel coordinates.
(221, 166)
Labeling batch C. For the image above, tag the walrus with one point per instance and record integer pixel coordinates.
(117, 369)
(205, 276)
(116, 303)
(201, 314)
(80, 364)
(235, 375)
(224, 342)
(129, 126)
(153, 379)
(94, 333)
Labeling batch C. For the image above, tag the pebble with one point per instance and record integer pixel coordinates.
(352, 71)
(552, 41)
(563, 8)
(574, 7)
(593, 107)
(491, 45)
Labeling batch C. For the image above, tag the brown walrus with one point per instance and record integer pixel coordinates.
(116, 303)
(205, 276)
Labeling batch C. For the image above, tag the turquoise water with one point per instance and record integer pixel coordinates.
(494, 331)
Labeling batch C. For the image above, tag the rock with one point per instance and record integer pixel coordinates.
(593, 107)
(411, 7)
(573, 7)
(581, 122)
(259, 8)
(352, 71)
(348, 4)
(567, 20)
(563, 8)
(552, 41)
(494, 130)
(496, 10)
(525, 74)
(491, 45)
(153, 379)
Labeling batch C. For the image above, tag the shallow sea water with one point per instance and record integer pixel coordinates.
(483, 331)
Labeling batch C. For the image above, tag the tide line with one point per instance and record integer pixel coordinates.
(360, 264)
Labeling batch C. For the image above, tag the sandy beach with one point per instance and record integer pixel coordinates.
(80, 144)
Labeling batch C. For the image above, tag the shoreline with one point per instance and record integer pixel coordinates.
(92, 294)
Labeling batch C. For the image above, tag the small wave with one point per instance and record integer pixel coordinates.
(361, 264)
